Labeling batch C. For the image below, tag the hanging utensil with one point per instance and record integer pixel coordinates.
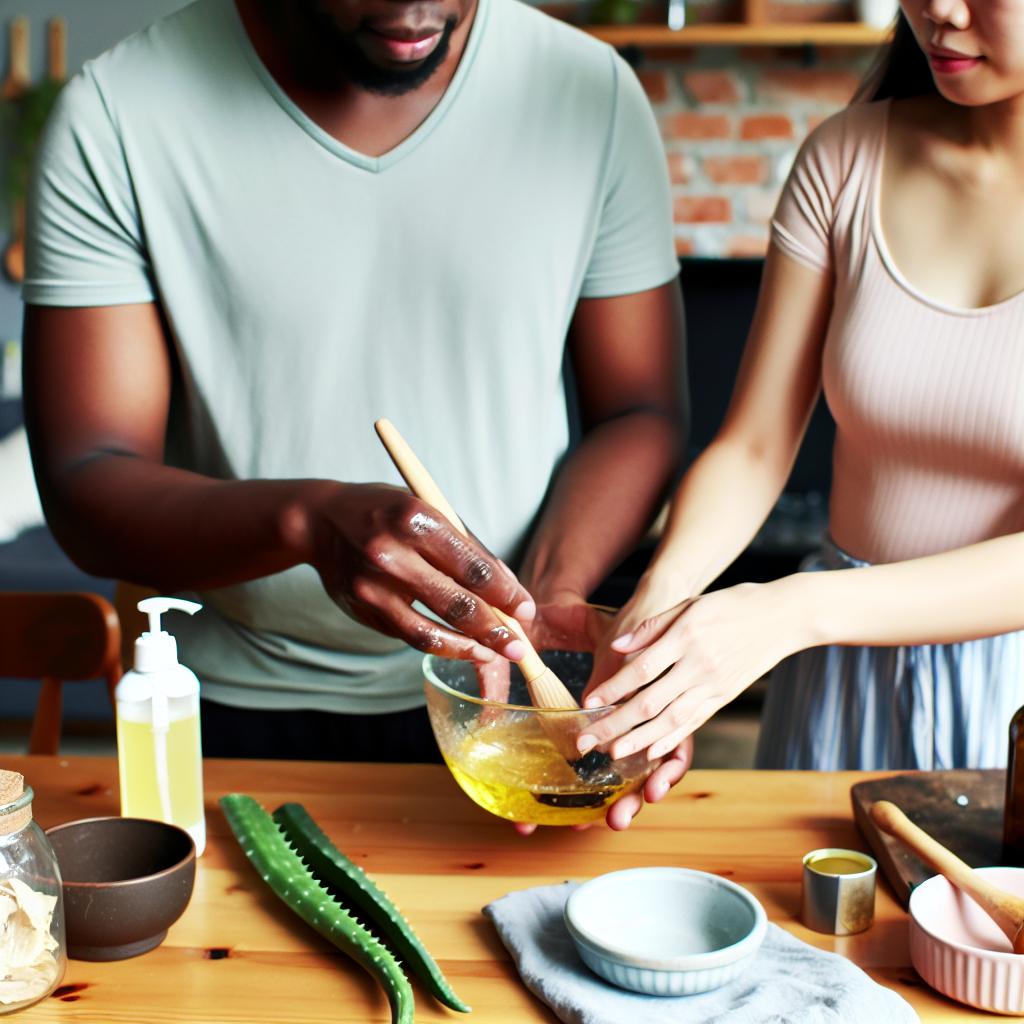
(14, 87)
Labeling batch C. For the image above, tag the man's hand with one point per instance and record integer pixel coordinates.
(671, 770)
(378, 549)
(572, 625)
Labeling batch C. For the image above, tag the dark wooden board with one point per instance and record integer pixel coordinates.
(972, 830)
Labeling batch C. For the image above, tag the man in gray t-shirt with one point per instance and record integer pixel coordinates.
(258, 227)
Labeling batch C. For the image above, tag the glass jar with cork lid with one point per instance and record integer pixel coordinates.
(32, 948)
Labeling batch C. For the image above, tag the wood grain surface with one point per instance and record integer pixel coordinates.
(963, 810)
(238, 956)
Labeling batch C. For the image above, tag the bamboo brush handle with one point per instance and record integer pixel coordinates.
(422, 484)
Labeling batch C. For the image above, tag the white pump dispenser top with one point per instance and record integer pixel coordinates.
(156, 650)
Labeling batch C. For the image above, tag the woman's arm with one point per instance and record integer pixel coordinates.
(729, 490)
(957, 595)
(718, 644)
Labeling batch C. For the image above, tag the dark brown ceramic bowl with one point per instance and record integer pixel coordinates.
(126, 881)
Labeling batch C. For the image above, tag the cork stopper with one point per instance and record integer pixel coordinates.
(12, 788)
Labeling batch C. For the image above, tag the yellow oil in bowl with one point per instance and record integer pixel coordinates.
(504, 759)
(524, 778)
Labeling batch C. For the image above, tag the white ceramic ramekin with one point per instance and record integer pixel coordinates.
(665, 931)
(959, 950)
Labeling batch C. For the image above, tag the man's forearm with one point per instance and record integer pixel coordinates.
(602, 501)
(140, 521)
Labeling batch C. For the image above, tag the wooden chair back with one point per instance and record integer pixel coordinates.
(57, 638)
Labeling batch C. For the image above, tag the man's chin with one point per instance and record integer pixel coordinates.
(393, 67)
(369, 59)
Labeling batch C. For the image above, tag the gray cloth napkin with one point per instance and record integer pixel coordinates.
(787, 981)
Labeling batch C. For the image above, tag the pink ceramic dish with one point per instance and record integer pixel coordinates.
(958, 949)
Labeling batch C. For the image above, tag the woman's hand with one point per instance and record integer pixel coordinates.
(648, 600)
(569, 623)
(621, 813)
(688, 662)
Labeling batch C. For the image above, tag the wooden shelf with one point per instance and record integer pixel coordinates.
(661, 37)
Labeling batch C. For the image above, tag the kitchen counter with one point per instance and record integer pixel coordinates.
(239, 955)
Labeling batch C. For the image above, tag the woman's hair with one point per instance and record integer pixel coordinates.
(901, 69)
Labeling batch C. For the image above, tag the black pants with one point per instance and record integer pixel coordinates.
(402, 736)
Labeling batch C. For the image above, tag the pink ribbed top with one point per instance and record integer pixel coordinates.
(928, 399)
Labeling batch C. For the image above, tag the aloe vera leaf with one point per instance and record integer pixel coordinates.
(354, 888)
(283, 870)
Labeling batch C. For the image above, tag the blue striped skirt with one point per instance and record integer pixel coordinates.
(932, 706)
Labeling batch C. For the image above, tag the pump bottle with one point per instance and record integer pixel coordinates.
(159, 756)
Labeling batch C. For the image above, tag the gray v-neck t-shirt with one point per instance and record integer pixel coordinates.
(309, 289)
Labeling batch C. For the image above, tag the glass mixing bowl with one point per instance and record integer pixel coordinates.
(520, 762)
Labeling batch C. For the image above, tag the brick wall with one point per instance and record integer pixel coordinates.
(732, 121)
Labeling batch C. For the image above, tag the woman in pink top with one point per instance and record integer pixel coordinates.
(895, 281)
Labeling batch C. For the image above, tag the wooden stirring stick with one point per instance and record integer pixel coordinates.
(1003, 907)
(546, 689)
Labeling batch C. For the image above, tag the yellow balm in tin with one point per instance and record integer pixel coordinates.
(838, 892)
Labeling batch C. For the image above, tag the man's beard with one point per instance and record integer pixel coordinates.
(325, 57)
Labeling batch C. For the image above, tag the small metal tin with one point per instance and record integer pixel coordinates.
(838, 903)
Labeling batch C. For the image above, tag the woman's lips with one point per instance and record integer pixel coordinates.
(949, 62)
(403, 47)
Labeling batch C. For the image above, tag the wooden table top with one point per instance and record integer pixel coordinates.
(239, 956)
